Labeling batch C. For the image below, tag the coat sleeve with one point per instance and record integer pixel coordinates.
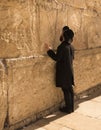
(55, 56)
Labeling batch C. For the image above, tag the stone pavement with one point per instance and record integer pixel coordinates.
(87, 116)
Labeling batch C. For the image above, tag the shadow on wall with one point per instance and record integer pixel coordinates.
(89, 94)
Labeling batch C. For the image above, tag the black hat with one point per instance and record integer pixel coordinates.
(65, 28)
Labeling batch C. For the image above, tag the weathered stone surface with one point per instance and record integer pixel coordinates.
(51, 22)
(31, 87)
(3, 96)
(46, 25)
(25, 26)
(17, 28)
(76, 4)
(79, 16)
(87, 69)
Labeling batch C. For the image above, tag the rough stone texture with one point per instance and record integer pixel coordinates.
(25, 26)
(17, 28)
(82, 16)
(87, 69)
(31, 87)
(3, 96)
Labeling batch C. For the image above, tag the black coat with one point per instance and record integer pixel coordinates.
(64, 64)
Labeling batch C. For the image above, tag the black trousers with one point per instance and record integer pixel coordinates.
(69, 98)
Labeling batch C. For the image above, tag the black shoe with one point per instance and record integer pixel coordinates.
(65, 110)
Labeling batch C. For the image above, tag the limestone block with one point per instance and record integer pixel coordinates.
(87, 69)
(17, 28)
(94, 37)
(94, 5)
(79, 4)
(76, 4)
(53, 15)
(75, 23)
(91, 29)
(61, 21)
(51, 24)
(46, 31)
(51, 20)
(3, 97)
(31, 87)
(26, 25)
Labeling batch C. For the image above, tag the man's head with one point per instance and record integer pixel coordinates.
(68, 35)
(65, 28)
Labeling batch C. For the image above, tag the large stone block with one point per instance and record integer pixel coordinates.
(17, 28)
(75, 4)
(46, 31)
(94, 5)
(75, 23)
(53, 15)
(31, 87)
(91, 29)
(26, 25)
(51, 18)
(87, 68)
(51, 22)
(61, 21)
(3, 96)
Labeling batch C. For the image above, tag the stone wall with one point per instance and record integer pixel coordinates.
(26, 72)
(31, 88)
(3, 95)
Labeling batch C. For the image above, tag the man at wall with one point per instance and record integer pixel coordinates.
(64, 68)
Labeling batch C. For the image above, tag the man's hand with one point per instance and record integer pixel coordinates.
(47, 47)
